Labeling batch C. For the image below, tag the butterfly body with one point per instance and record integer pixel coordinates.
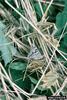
(36, 59)
(34, 53)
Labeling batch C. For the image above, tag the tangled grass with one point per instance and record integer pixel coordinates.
(35, 43)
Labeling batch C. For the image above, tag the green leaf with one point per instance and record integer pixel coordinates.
(7, 50)
(16, 15)
(3, 97)
(61, 18)
(38, 11)
(18, 66)
(34, 81)
(6, 54)
(65, 40)
(17, 77)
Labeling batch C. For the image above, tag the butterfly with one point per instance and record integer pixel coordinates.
(34, 53)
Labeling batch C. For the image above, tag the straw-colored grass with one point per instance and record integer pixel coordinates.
(41, 47)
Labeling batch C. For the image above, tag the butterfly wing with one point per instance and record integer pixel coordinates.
(34, 53)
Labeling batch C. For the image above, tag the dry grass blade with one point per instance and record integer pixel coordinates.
(15, 87)
(61, 88)
(50, 79)
(39, 32)
(37, 46)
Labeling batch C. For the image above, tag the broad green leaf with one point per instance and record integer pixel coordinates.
(5, 50)
(17, 77)
(59, 1)
(65, 40)
(61, 18)
(18, 66)
(38, 11)
(3, 97)
(16, 15)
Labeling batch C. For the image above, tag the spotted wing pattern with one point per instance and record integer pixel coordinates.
(34, 53)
